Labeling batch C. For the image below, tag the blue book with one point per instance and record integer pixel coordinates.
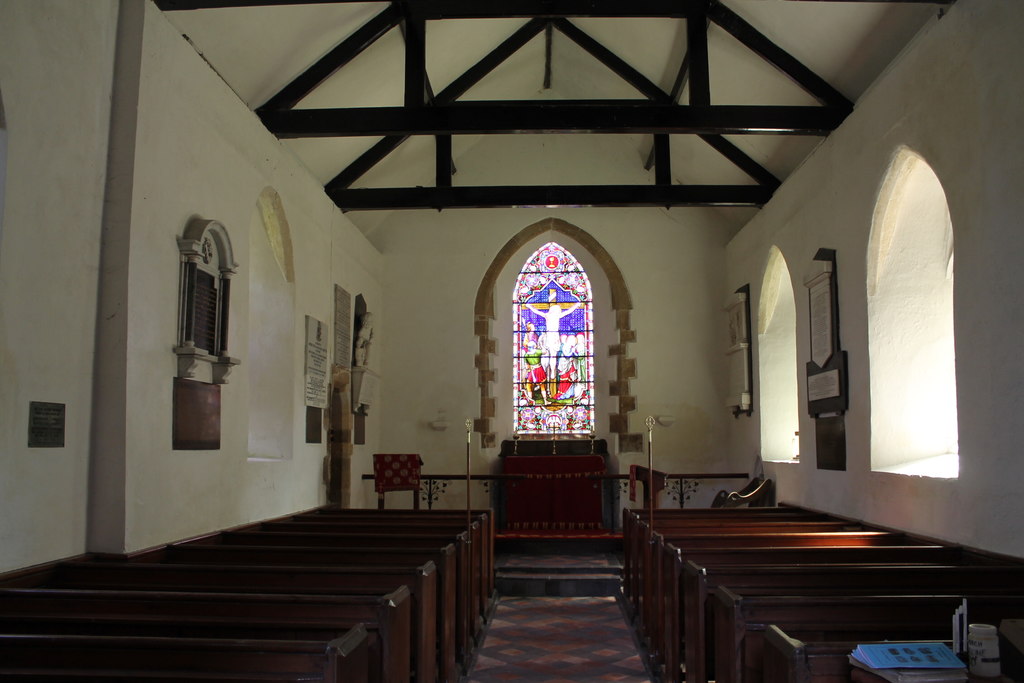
(907, 656)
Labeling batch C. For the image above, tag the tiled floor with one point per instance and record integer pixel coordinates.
(558, 640)
(552, 561)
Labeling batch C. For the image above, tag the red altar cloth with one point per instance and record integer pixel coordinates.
(556, 493)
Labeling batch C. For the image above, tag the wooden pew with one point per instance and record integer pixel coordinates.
(106, 658)
(387, 619)
(422, 582)
(741, 621)
(484, 516)
(479, 547)
(647, 591)
(443, 558)
(789, 660)
(632, 518)
(675, 588)
(372, 543)
(650, 582)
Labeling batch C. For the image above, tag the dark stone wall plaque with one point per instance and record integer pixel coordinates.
(46, 424)
(196, 416)
(314, 425)
(830, 442)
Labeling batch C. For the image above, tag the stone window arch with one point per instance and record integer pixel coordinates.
(204, 301)
(621, 304)
(910, 324)
(776, 362)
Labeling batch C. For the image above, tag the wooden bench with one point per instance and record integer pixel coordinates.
(467, 626)
(789, 660)
(649, 583)
(422, 582)
(740, 621)
(106, 658)
(675, 589)
(646, 600)
(443, 558)
(484, 516)
(480, 548)
(254, 616)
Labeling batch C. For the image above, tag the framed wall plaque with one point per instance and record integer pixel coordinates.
(826, 371)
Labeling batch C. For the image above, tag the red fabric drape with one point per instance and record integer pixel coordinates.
(396, 472)
(556, 493)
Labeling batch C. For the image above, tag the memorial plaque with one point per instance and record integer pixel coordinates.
(46, 424)
(196, 416)
(830, 442)
(314, 425)
(316, 363)
(206, 312)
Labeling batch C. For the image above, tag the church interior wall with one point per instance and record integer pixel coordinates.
(671, 262)
(201, 152)
(952, 97)
(55, 77)
(196, 150)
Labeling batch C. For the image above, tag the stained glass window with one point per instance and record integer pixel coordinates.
(553, 343)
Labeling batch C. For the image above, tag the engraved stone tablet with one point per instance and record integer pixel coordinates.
(46, 425)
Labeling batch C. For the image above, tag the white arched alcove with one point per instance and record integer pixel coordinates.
(776, 367)
(272, 382)
(910, 324)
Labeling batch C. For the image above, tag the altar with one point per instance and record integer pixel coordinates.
(556, 487)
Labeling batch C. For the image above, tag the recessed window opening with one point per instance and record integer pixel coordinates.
(777, 368)
(910, 325)
(272, 388)
(553, 342)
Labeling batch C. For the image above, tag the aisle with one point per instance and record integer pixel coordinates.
(556, 640)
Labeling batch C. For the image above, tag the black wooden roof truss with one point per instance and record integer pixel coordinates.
(443, 115)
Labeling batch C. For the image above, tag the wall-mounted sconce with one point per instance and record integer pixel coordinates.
(440, 423)
(666, 420)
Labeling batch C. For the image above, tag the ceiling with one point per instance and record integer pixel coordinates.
(720, 99)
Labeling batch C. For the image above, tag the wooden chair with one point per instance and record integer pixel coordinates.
(397, 472)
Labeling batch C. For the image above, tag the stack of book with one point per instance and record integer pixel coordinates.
(910, 662)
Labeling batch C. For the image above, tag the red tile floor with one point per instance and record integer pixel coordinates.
(558, 640)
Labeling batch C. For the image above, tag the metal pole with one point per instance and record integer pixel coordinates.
(469, 507)
(650, 471)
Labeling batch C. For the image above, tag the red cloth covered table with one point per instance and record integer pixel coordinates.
(556, 493)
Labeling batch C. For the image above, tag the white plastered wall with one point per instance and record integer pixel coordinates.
(434, 262)
(56, 60)
(197, 150)
(954, 98)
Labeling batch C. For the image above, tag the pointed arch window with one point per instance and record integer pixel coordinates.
(553, 345)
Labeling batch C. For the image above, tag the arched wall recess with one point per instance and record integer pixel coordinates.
(777, 368)
(621, 304)
(910, 324)
(272, 398)
(279, 234)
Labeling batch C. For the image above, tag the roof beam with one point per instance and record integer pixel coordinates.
(515, 117)
(756, 41)
(455, 89)
(475, 9)
(549, 196)
(339, 56)
(618, 65)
